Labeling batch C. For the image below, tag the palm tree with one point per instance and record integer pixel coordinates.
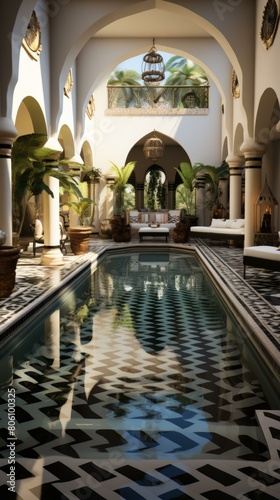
(30, 166)
(121, 180)
(188, 174)
(127, 79)
(213, 177)
(184, 72)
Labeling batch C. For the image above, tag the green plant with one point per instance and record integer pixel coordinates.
(121, 179)
(186, 193)
(184, 72)
(213, 176)
(31, 164)
(81, 207)
(154, 190)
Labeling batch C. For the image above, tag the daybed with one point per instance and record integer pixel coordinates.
(262, 257)
(165, 218)
(221, 229)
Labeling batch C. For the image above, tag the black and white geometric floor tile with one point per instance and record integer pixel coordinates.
(116, 479)
(237, 463)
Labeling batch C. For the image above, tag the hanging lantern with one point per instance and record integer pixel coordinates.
(153, 67)
(266, 210)
(153, 148)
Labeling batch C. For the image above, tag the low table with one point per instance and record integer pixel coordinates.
(153, 231)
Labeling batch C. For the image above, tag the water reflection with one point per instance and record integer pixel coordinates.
(139, 356)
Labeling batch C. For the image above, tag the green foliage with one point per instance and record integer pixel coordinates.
(188, 174)
(184, 72)
(91, 172)
(31, 164)
(185, 199)
(122, 177)
(155, 191)
(152, 187)
(213, 177)
(125, 78)
(81, 207)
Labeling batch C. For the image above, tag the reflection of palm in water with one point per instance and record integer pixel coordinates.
(150, 360)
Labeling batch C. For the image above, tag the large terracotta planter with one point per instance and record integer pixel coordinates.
(181, 233)
(121, 231)
(79, 239)
(8, 263)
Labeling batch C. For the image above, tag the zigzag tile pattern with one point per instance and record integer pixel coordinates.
(168, 412)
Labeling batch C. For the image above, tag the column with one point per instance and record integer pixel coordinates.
(171, 196)
(109, 198)
(8, 133)
(223, 188)
(200, 199)
(139, 195)
(253, 153)
(52, 255)
(235, 164)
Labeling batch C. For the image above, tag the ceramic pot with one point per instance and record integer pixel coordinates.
(79, 239)
(181, 233)
(8, 262)
(2, 237)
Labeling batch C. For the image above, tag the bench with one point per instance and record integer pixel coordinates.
(220, 229)
(166, 218)
(262, 257)
(153, 231)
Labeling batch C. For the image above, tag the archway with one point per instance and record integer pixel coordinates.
(173, 155)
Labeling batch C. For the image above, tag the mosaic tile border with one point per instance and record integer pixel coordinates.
(262, 319)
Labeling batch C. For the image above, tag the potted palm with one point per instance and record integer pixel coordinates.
(79, 235)
(121, 231)
(213, 177)
(30, 166)
(186, 192)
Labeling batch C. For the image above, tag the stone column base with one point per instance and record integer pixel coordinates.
(51, 256)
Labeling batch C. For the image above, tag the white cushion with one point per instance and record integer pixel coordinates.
(153, 230)
(218, 223)
(38, 228)
(238, 224)
(229, 222)
(263, 252)
(216, 230)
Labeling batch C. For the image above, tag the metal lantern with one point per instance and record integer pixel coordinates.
(266, 211)
(153, 67)
(153, 148)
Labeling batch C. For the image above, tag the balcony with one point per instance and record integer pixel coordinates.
(169, 100)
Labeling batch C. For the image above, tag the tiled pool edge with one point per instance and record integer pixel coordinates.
(253, 309)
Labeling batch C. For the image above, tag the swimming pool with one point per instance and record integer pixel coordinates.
(139, 359)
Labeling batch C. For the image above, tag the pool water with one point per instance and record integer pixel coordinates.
(139, 359)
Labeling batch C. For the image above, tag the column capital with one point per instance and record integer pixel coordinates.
(235, 163)
(252, 148)
(8, 131)
(200, 180)
(235, 160)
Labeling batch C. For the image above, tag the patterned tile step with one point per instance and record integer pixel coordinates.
(116, 479)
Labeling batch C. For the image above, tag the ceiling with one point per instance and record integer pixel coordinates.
(152, 24)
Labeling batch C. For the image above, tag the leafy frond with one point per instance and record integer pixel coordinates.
(188, 174)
